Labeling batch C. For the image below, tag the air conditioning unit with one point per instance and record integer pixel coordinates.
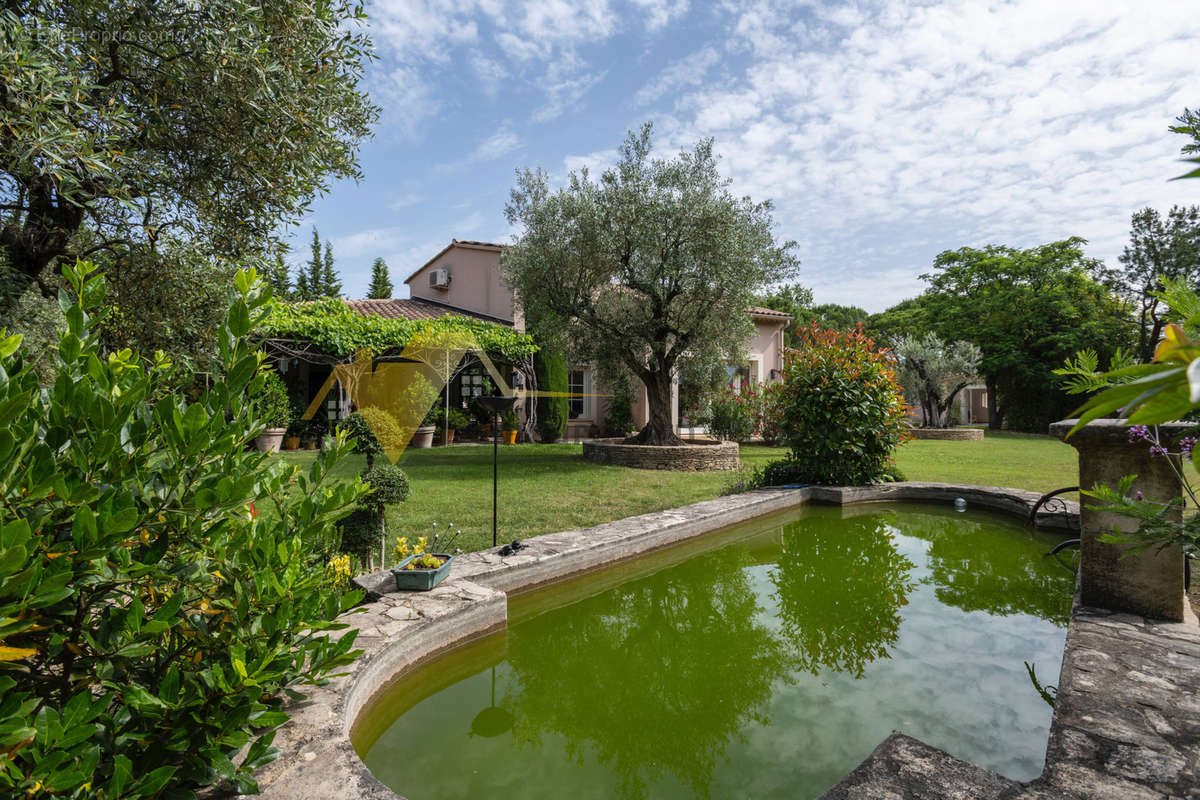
(439, 279)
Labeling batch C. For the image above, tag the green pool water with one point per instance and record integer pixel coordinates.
(765, 661)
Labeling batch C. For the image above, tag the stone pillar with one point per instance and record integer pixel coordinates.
(1150, 584)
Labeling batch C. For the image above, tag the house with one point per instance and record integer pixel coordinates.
(464, 278)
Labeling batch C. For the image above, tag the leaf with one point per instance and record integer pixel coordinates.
(16, 653)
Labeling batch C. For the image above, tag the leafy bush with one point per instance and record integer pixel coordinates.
(152, 617)
(843, 412)
(364, 529)
(550, 367)
(510, 421)
(456, 419)
(770, 413)
(732, 415)
(618, 418)
(270, 401)
(374, 431)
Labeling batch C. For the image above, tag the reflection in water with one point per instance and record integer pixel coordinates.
(766, 668)
(839, 592)
(977, 572)
(653, 677)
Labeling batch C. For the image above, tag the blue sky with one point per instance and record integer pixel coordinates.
(884, 131)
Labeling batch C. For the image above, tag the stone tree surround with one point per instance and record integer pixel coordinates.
(697, 457)
(1126, 724)
(948, 434)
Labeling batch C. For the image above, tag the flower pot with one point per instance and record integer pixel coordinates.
(510, 437)
(291, 443)
(423, 436)
(448, 435)
(485, 430)
(421, 580)
(269, 440)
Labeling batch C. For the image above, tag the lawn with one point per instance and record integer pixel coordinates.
(547, 488)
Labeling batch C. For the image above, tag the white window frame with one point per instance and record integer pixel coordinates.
(587, 411)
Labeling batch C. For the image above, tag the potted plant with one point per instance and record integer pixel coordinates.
(420, 568)
(312, 432)
(511, 422)
(452, 420)
(483, 419)
(272, 407)
(295, 428)
(423, 436)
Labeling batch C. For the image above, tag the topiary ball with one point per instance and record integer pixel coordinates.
(389, 484)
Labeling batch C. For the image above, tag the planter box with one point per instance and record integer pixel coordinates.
(269, 440)
(423, 436)
(421, 580)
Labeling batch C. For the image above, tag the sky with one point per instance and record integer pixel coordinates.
(884, 131)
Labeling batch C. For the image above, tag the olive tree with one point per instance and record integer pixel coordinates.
(123, 124)
(933, 372)
(648, 269)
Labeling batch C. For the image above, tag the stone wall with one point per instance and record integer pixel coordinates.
(949, 434)
(684, 458)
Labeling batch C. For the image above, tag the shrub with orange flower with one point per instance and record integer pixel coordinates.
(843, 413)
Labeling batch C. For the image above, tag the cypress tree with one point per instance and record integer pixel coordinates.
(314, 279)
(331, 285)
(277, 276)
(550, 366)
(381, 282)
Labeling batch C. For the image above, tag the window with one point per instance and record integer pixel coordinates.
(575, 385)
(475, 384)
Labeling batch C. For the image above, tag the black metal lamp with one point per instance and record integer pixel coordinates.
(498, 403)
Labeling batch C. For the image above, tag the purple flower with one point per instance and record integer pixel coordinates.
(1186, 444)
(1157, 450)
(1138, 432)
(1138, 496)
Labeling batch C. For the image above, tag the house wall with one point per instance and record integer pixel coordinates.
(475, 283)
(768, 346)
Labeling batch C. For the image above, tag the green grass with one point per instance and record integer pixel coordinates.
(547, 488)
(1016, 460)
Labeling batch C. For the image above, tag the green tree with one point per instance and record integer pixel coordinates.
(834, 317)
(169, 298)
(213, 123)
(277, 277)
(313, 271)
(790, 298)
(381, 283)
(650, 267)
(331, 284)
(162, 587)
(933, 372)
(1189, 125)
(550, 367)
(907, 318)
(1027, 311)
(1159, 249)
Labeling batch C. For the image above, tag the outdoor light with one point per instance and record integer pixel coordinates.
(498, 403)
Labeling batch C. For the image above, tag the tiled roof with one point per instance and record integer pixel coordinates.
(759, 311)
(472, 243)
(414, 308)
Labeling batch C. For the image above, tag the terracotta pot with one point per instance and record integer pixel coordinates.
(269, 440)
(291, 443)
(448, 435)
(423, 437)
(510, 437)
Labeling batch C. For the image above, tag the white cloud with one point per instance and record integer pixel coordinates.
(685, 73)
(1019, 121)
(657, 14)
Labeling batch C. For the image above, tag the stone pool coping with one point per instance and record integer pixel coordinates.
(397, 632)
